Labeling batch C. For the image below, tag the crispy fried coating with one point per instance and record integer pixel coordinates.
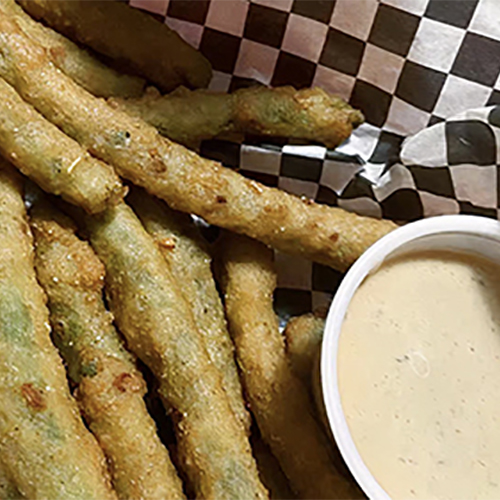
(188, 117)
(184, 180)
(57, 163)
(190, 263)
(159, 327)
(44, 445)
(303, 336)
(75, 61)
(129, 36)
(109, 387)
(279, 401)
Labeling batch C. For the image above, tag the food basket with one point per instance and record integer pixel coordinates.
(426, 76)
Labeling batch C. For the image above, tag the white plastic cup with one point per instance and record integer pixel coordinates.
(460, 233)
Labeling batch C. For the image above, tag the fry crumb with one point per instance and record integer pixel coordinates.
(168, 243)
(34, 397)
(125, 382)
(158, 164)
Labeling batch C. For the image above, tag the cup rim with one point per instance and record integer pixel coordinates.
(366, 264)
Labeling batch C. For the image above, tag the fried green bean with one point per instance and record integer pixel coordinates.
(296, 440)
(159, 327)
(184, 116)
(55, 162)
(303, 335)
(184, 180)
(129, 36)
(75, 61)
(190, 263)
(44, 445)
(109, 387)
(188, 117)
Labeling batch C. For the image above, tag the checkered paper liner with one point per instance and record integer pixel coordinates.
(426, 74)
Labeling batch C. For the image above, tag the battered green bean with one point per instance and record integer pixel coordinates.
(55, 162)
(44, 445)
(129, 36)
(158, 325)
(303, 336)
(184, 116)
(110, 389)
(189, 260)
(189, 117)
(184, 180)
(292, 433)
(75, 61)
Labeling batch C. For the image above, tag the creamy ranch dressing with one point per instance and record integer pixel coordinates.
(419, 376)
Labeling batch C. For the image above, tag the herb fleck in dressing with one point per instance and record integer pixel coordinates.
(419, 376)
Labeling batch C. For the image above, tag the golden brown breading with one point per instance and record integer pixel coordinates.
(44, 445)
(159, 327)
(184, 180)
(109, 387)
(75, 61)
(129, 36)
(190, 262)
(278, 400)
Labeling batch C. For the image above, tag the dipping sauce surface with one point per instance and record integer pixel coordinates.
(419, 376)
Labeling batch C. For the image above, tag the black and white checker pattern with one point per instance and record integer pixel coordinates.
(449, 168)
(405, 63)
(416, 68)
